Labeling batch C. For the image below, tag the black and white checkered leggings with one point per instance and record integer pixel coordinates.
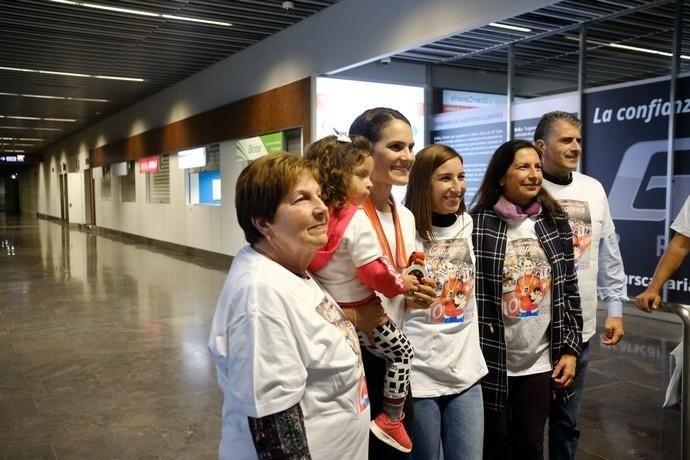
(392, 345)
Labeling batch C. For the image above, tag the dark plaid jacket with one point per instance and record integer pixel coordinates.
(489, 239)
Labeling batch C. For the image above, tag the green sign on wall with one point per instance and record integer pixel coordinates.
(255, 147)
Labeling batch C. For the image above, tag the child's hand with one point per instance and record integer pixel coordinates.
(423, 296)
(367, 317)
(411, 284)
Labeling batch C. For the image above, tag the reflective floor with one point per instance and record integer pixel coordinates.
(103, 356)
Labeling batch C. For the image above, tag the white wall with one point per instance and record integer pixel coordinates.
(28, 191)
(75, 193)
(47, 193)
(212, 228)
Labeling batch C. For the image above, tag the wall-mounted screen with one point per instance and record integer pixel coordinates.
(193, 158)
(119, 169)
(338, 102)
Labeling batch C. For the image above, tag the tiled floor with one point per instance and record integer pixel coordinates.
(103, 356)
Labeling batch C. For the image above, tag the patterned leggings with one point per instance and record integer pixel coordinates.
(392, 345)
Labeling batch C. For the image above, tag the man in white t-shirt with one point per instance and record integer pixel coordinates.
(673, 256)
(597, 259)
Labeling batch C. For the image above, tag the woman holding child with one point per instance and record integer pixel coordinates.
(390, 133)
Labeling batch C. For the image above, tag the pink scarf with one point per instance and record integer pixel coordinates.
(514, 213)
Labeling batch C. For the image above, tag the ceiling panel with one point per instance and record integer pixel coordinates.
(67, 36)
(550, 48)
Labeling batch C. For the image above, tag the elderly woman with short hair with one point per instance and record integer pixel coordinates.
(287, 360)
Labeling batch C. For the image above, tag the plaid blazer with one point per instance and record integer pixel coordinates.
(489, 239)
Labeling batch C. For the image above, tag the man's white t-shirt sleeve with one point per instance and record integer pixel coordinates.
(681, 224)
(266, 349)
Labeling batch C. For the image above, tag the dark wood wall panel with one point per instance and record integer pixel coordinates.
(281, 108)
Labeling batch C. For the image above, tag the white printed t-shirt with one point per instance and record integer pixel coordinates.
(448, 359)
(395, 307)
(681, 223)
(526, 302)
(595, 246)
(278, 340)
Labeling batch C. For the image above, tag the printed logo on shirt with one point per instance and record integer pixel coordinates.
(334, 315)
(362, 394)
(526, 279)
(580, 220)
(450, 264)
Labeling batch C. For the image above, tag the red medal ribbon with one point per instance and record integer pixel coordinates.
(401, 255)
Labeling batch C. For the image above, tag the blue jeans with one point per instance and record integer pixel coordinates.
(456, 420)
(563, 432)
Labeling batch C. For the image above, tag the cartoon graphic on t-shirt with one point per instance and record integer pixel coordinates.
(454, 297)
(449, 262)
(525, 286)
(580, 220)
(334, 315)
(526, 279)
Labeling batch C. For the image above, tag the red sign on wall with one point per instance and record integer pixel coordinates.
(148, 165)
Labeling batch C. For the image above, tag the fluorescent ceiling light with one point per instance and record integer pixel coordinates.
(17, 117)
(644, 50)
(33, 139)
(12, 150)
(28, 128)
(202, 21)
(108, 77)
(117, 9)
(510, 27)
(70, 74)
(14, 117)
(62, 98)
(629, 48)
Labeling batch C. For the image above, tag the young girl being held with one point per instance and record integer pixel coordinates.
(352, 266)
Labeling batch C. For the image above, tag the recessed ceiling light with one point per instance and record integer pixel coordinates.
(510, 27)
(70, 74)
(144, 13)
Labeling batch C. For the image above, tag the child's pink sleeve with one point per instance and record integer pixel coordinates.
(380, 276)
